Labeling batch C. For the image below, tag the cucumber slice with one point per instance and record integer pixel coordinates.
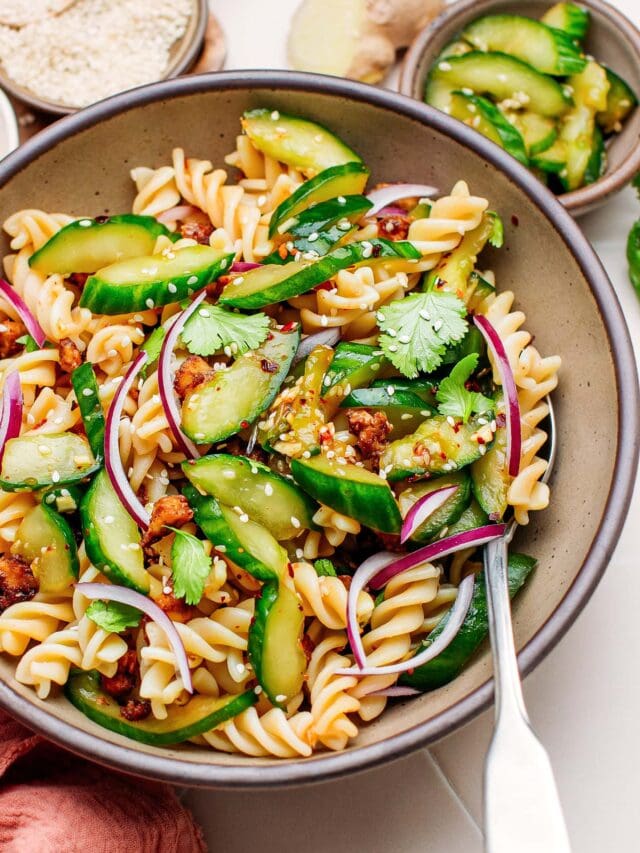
(552, 160)
(85, 386)
(64, 499)
(538, 132)
(486, 118)
(473, 516)
(45, 539)
(245, 543)
(433, 449)
(183, 722)
(572, 19)
(546, 49)
(353, 366)
(422, 388)
(236, 396)
(458, 47)
(490, 478)
(151, 281)
(478, 289)
(621, 100)
(447, 514)
(597, 163)
(296, 141)
(275, 643)
(34, 461)
(87, 245)
(111, 536)
(270, 284)
(403, 409)
(498, 75)
(267, 497)
(334, 182)
(577, 134)
(353, 491)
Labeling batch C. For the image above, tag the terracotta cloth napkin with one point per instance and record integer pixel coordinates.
(52, 801)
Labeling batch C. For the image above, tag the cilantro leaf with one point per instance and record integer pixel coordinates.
(28, 342)
(153, 345)
(112, 616)
(325, 568)
(454, 399)
(496, 238)
(212, 328)
(190, 566)
(416, 330)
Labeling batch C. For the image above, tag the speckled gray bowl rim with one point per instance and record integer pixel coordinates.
(128, 758)
(586, 198)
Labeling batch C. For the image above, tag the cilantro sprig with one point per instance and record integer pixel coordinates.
(325, 568)
(212, 328)
(416, 330)
(190, 566)
(456, 400)
(112, 616)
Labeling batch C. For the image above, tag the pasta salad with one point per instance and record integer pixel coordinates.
(253, 436)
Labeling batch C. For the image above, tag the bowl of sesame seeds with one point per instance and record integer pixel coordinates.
(59, 56)
(611, 38)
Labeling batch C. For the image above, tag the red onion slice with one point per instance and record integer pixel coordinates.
(360, 579)
(386, 196)
(243, 266)
(112, 459)
(456, 617)
(514, 432)
(181, 211)
(124, 595)
(326, 337)
(165, 379)
(423, 508)
(396, 691)
(11, 411)
(437, 550)
(20, 307)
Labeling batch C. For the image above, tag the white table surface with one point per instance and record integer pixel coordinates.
(583, 699)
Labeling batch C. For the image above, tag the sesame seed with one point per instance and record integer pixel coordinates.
(406, 416)
(171, 287)
(425, 413)
(341, 199)
(275, 116)
(244, 518)
(149, 303)
(221, 548)
(85, 223)
(87, 392)
(238, 279)
(109, 519)
(204, 313)
(391, 390)
(257, 690)
(198, 435)
(437, 325)
(313, 237)
(404, 339)
(281, 696)
(425, 315)
(44, 450)
(223, 265)
(450, 421)
(268, 489)
(56, 476)
(391, 332)
(306, 454)
(295, 522)
(324, 320)
(393, 348)
(444, 66)
(344, 225)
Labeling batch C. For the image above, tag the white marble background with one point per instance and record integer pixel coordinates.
(584, 699)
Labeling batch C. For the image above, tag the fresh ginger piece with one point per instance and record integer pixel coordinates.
(355, 38)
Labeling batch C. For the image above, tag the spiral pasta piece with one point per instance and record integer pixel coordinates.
(51, 413)
(111, 347)
(262, 735)
(325, 598)
(156, 190)
(335, 529)
(13, 508)
(31, 228)
(35, 620)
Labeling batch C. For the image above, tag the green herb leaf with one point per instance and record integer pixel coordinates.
(28, 342)
(153, 345)
(496, 238)
(416, 330)
(454, 399)
(112, 616)
(325, 569)
(212, 328)
(190, 566)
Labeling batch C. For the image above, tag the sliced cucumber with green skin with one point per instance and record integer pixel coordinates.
(403, 409)
(245, 543)
(353, 366)
(270, 284)
(597, 163)
(538, 132)
(435, 448)
(621, 100)
(568, 17)
(65, 499)
(334, 182)
(296, 141)
(453, 271)
(548, 50)
(473, 342)
(87, 245)
(151, 281)
(498, 75)
(447, 514)
(45, 539)
(275, 643)
(552, 160)
(475, 628)
(422, 388)
(491, 479)
(351, 490)
(456, 48)
(183, 722)
(473, 516)
(483, 116)
(111, 536)
(33, 462)
(267, 497)
(235, 397)
(85, 385)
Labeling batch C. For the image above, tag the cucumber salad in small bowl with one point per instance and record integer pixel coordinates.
(260, 414)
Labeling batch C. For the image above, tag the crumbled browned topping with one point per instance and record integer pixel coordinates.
(17, 582)
(126, 677)
(192, 373)
(70, 356)
(135, 710)
(169, 511)
(371, 429)
(10, 331)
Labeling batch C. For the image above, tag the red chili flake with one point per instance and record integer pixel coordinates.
(79, 279)
(244, 424)
(480, 439)
(290, 326)
(443, 455)
(514, 220)
(283, 251)
(268, 366)
(290, 569)
(307, 646)
(457, 427)
(377, 249)
(270, 336)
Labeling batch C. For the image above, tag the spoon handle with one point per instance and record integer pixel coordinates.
(522, 811)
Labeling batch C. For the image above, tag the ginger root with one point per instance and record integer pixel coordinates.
(355, 38)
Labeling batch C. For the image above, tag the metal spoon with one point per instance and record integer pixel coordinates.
(522, 811)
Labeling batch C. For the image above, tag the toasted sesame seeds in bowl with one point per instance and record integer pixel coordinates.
(59, 56)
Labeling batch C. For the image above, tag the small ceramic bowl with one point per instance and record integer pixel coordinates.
(182, 56)
(9, 133)
(612, 39)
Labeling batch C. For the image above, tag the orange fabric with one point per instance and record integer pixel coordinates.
(51, 800)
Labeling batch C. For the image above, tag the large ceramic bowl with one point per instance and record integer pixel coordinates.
(611, 39)
(81, 164)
